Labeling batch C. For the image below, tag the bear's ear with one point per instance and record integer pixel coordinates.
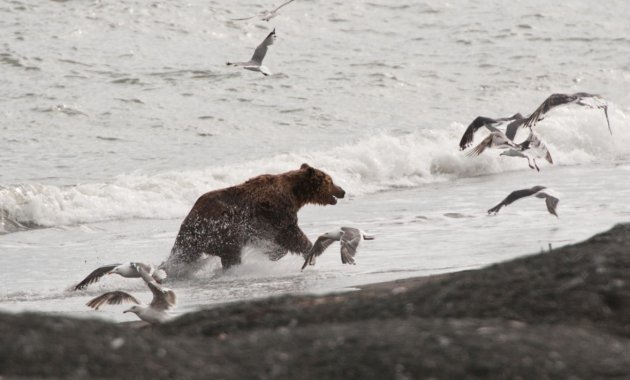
(309, 170)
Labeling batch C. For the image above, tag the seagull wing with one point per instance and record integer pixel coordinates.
(481, 147)
(163, 298)
(538, 145)
(514, 196)
(349, 243)
(261, 50)
(243, 18)
(550, 201)
(95, 276)
(598, 105)
(469, 133)
(319, 247)
(552, 101)
(140, 268)
(111, 298)
(281, 5)
(536, 115)
(146, 267)
(156, 274)
(512, 127)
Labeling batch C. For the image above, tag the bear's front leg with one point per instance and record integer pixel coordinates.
(277, 253)
(294, 240)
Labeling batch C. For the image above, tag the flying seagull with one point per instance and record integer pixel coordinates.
(348, 237)
(155, 312)
(496, 139)
(537, 191)
(255, 64)
(532, 148)
(265, 15)
(555, 100)
(481, 121)
(127, 270)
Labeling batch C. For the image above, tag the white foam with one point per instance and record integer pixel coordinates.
(381, 162)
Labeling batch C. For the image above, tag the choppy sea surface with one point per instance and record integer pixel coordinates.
(116, 116)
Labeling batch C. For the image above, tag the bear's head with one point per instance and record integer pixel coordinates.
(315, 186)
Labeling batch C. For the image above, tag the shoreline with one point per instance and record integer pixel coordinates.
(555, 314)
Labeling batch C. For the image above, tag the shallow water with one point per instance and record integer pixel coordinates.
(117, 116)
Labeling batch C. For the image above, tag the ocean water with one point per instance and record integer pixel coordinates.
(116, 116)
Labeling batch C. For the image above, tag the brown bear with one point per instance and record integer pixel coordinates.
(261, 211)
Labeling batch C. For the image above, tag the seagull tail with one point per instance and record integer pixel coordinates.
(264, 70)
(472, 153)
(159, 275)
(548, 158)
(368, 237)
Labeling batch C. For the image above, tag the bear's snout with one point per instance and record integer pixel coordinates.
(339, 192)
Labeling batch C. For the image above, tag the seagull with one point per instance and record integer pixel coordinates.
(265, 15)
(481, 121)
(155, 312)
(537, 191)
(496, 139)
(532, 148)
(255, 64)
(348, 237)
(555, 100)
(127, 270)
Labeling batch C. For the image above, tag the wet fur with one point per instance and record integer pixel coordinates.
(263, 209)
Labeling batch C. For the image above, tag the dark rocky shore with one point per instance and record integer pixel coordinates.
(559, 314)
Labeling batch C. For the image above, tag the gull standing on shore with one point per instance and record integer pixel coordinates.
(255, 63)
(155, 312)
(348, 237)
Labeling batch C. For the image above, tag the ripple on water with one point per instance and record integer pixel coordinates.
(11, 60)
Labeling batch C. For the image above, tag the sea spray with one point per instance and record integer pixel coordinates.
(373, 164)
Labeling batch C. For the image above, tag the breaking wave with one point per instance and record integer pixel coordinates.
(378, 163)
